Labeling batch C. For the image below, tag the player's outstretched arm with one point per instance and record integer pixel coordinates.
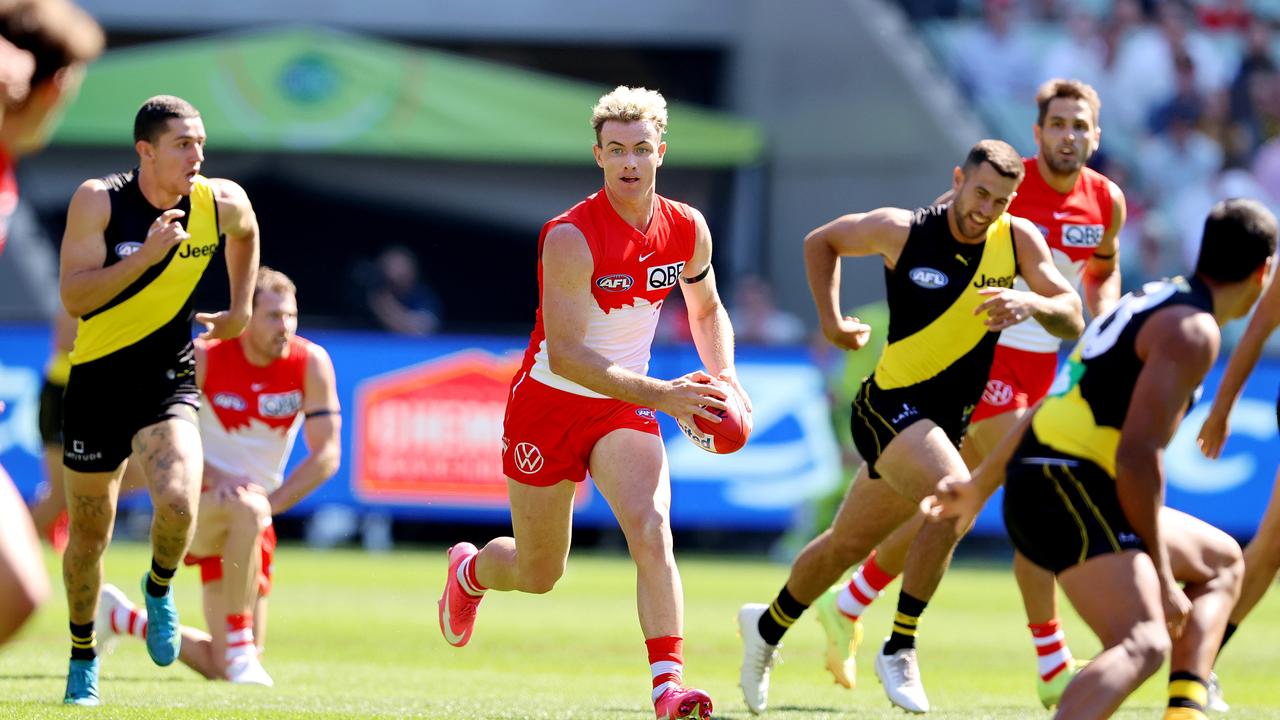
(566, 304)
(238, 222)
(1216, 428)
(1051, 301)
(85, 284)
(879, 232)
(321, 431)
(708, 319)
(1101, 282)
(1178, 346)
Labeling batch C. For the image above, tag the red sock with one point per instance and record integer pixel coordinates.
(666, 663)
(863, 588)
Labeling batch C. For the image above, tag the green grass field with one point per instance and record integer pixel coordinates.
(355, 636)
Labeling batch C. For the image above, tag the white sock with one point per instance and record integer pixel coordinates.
(129, 620)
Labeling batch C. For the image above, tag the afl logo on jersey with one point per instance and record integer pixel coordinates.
(928, 278)
(125, 249)
(615, 283)
(280, 405)
(229, 401)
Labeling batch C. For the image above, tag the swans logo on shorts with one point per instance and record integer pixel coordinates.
(998, 392)
(528, 458)
(928, 278)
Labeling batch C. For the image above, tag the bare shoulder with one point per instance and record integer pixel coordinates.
(564, 237)
(91, 198)
(1025, 229)
(1185, 334)
(318, 358)
(890, 218)
(229, 192)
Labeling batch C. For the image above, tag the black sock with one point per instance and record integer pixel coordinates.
(782, 614)
(1187, 690)
(904, 623)
(1231, 630)
(159, 578)
(83, 642)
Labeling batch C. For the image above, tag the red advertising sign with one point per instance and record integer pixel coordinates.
(432, 433)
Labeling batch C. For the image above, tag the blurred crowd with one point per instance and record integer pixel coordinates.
(1190, 92)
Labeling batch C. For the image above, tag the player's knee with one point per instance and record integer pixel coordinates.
(88, 536)
(1149, 646)
(649, 534)
(845, 549)
(174, 503)
(250, 508)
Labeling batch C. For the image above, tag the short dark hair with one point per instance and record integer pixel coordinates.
(1000, 155)
(1067, 90)
(154, 116)
(56, 33)
(1239, 236)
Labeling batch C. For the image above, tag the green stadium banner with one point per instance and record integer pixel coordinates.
(315, 90)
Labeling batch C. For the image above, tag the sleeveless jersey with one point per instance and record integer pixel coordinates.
(1090, 397)
(1072, 224)
(8, 196)
(633, 272)
(934, 336)
(252, 414)
(157, 306)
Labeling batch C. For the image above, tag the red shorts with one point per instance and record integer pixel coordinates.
(211, 567)
(1018, 380)
(548, 434)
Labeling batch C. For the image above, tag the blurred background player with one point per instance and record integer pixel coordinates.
(949, 275)
(135, 246)
(43, 47)
(1084, 489)
(1080, 212)
(49, 513)
(258, 389)
(582, 400)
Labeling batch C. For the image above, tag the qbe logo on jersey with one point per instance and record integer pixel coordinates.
(664, 276)
(1081, 235)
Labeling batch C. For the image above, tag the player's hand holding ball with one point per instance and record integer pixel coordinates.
(721, 419)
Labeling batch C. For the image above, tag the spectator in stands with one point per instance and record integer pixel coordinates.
(1266, 168)
(1082, 54)
(1001, 62)
(1181, 156)
(1224, 15)
(759, 320)
(395, 295)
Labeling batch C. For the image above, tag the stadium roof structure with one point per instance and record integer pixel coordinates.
(313, 90)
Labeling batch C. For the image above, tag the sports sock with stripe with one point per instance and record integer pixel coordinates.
(781, 615)
(863, 588)
(666, 663)
(905, 623)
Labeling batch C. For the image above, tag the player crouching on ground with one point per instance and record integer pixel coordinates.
(259, 389)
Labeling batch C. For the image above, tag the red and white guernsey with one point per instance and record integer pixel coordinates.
(632, 274)
(8, 196)
(251, 414)
(1073, 224)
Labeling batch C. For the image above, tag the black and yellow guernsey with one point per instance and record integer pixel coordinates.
(156, 309)
(1089, 400)
(939, 353)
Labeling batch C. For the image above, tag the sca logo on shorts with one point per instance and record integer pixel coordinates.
(928, 278)
(125, 249)
(1081, 235)
(615, 283)
(664, 276)
(229, 401)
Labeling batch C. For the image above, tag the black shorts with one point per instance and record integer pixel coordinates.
(110, 399)
(51, 413)
(1061, 510)
(879, 415)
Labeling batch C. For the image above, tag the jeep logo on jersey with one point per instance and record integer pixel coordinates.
(125, 249)
(929, 278)
(986, 281)
(1081, 235)
(615, 283)
(229, 401)
(280, 405)
(664, 276)
(188, 250)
